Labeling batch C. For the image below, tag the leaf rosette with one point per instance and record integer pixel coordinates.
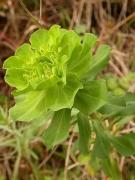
(49, 71)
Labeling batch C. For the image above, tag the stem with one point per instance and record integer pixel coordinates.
(68, 155)
(33, 168)
(16, 167)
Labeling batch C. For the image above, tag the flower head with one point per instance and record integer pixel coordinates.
(49, 69)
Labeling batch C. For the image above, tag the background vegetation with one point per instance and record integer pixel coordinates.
(114, 22)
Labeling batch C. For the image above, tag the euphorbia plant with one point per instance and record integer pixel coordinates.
(53, 71)
(56, 72)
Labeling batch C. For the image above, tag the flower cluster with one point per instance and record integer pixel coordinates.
(48, 72)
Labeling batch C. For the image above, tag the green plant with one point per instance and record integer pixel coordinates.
(119, 86)
(56, 75)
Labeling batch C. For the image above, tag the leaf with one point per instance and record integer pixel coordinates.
(124, 144)
(13, 62)
(114, 105)
(34, 104)
(84, 133)
(57, 132)
(29, 106)
(58, 97)
(130, 105)
(130, 98)
(110, 167)
(80, 59)
(89, 41)
(102, 143)
(99, 61)
(91, 97)
(17, 67)
(122, 121)
(2, 116)
(14, 78)
(26, 54)
(119, 105)
(39, 39)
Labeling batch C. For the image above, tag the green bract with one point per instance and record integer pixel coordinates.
(48, 72)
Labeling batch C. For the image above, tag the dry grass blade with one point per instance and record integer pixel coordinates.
(88, 15)
(47, 158)
(68, 156)
(41, 6)
(124, 21)
(30, 14)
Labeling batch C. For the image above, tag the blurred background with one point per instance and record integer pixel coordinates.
(113, 21)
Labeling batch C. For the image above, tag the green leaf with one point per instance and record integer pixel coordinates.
(58, 97)
(39, 39)
(34, 104)
(14, 78)
(17, 67)
(114, 105)
(13, 62)
(99, 61)
(130, 98)
(89, 41)
(2, 116)
(57, 132)
(81, 56)
(111, 169)
(84, 133)
(26, 54)
(29, 106)
(122, 121)
(91, 97)
(125, 144)
(119, 105)
(130, 105)
(102, 143)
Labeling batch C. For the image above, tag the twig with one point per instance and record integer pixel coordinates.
(33, 169)
(30, 14)
(2, 33)
(28, 30)
(7, 166)
(13, 18)
(47, 158)
(131, 16)
(68, 155)
(118, 58)
(88, 15)
(124, 9)
(122, 163)
(40, 16)
(80, 11)
(73, 166)
(116, 69)
(74, 16)
(8, 45)
(128, 130)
